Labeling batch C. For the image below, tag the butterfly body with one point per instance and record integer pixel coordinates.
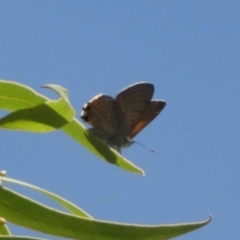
(117, 121)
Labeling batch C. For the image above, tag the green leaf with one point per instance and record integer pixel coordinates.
(76, 130)
(15, 96)
(37, 119)
(33, 112)
(63, 202)
(25, 212)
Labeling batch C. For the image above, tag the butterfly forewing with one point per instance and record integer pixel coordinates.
(134, 101)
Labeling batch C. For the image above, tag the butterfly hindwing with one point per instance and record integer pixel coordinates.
(152, 111)
(101, 112)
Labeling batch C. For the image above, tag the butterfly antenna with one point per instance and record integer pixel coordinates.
(145, 147)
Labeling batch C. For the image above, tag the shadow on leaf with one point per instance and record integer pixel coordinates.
(41, 118)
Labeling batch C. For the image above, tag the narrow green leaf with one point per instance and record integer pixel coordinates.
(77, 131)
(33, 112)
(15, 96)
(63, 202)
(25, 212)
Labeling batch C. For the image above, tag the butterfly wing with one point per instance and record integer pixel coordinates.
(152, 111)
(133, 102)
(101, 112)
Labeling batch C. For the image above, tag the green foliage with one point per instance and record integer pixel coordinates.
(31, 111)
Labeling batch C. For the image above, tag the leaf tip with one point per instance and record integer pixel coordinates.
(209, 218)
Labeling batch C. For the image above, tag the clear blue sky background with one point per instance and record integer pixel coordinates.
(190, 51)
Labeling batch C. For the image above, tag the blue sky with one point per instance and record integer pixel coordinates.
(189, 50)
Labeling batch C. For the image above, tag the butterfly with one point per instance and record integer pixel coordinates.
(117, 121)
